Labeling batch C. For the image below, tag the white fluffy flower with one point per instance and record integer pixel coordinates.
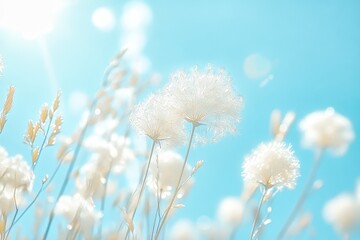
(272, 165)
(157, 119)
(183, 230)
(327, 129)
(78, 210)
(165, 173)
(230, 211)
(15, 172)
(206, 97)
(343, 212)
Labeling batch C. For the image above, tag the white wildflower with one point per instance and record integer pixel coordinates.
(15, 172)
(165, 173)
(183, 230)
(327, 129)
(272, 165)
(230, 211)
(78, 211)
(156, 118)
(206, 98)
(343, 212)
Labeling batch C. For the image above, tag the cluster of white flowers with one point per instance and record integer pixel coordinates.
(343, 212)
(272, 164)
(327, 130)
(165, 174)
(16, 177)
(79, 212)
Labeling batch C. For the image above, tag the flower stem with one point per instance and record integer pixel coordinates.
(142, 184)
(303, 196)
(256, 218)
(178, 185)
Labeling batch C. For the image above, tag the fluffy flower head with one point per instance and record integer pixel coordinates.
(230, 211)
(343, 212)
(157, 119)
(206, 97)
(327, 129)
(272, 165)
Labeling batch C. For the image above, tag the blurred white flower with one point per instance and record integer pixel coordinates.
(78, 211)
(230, 211)
(272, 164)
(156, 118)
(15, 172)
(108, 155)
(327, 129)
(165, 173)
(113, 153)
(7, 203)
(343, 212)
(183, 230)
(213, 230)
(206, 97)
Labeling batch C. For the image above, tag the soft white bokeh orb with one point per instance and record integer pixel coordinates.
(136, 15)
(256, 66)
(103, 19)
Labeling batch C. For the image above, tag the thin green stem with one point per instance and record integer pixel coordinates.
(178, 185)
(306, 191)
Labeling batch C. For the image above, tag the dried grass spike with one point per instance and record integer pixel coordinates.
(2, 122)
(35, 155)
(44, 113)
(9, 100)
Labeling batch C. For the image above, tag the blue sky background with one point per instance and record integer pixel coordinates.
(313, 48)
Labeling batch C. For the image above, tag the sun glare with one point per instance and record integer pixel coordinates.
(30, 18)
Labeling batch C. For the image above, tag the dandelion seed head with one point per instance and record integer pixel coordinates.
(206, 97)
(272, 165)
(230, 211)
(343, 212)
(327, 129)
(156, 118)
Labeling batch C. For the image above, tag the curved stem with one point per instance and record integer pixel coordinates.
(256, 218)
(303, 196)
(178, 185)
(142, 184)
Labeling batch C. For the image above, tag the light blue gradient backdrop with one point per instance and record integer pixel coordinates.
(314, 47)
